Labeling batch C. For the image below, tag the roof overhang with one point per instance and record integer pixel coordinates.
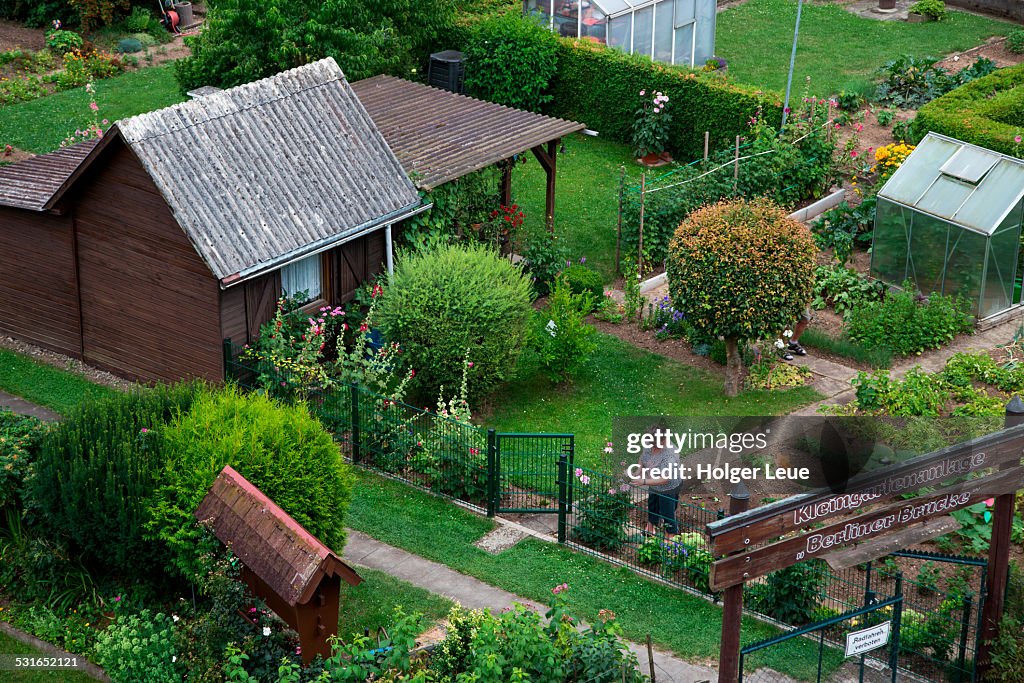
(323, 245)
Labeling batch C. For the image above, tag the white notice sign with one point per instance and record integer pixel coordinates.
(866, 640)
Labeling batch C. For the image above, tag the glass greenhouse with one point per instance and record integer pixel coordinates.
(949, 220)
(670, 31)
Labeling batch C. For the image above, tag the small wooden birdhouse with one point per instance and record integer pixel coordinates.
(283, 564)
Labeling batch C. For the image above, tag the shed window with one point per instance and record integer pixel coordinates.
(303, 278)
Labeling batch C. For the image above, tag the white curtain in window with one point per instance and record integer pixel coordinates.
(303, 276)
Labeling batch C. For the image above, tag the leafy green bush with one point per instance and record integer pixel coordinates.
(95, 471)
(543, 259)
(909, 323)
(603, 512)
(139, 648)
(38, 13)
(1015, 41)
(19, 437)
(841, 228)
(936, 9)
(1007, 652)
(875, 356)
(910, 82)
(791, 595)
(599, 87)
(281, 449)
(560, 336)
(444, 302)
(985, 112)
(143, 21)
(742, 271)
(843, 289)
(63, 42)
(245, 40)
(583, 280)
(510, 60)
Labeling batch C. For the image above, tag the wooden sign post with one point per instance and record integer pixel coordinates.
(871, 514)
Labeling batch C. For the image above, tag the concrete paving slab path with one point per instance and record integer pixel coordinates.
(363, 551)
(19, 405)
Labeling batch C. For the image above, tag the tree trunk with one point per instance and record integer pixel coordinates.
(734, 370)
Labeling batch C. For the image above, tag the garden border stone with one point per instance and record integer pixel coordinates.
(88, 668)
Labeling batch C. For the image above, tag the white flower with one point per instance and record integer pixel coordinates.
(551, 327)
(787, 334)
(174, 658)
(779, 343)
(175, 617)
(266, 630)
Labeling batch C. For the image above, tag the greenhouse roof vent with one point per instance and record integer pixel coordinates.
(964, 184)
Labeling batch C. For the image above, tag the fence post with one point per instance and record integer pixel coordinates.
(354, 416)
(897, 616)
(868, 598)
(228, 358)
(572, 464)
(563, 495)
(965, 629)
(732, 604)
(618, 230)
(492, 473)
(998, 555)
(707, 136)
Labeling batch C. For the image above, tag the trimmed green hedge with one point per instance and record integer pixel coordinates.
(988, 112)
(601, 88)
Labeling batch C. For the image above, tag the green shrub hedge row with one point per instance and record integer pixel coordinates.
(601, 88)
(988, 112)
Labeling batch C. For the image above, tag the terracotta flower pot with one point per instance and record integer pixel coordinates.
(655, 159)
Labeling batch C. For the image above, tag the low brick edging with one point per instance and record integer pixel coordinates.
(86, 667)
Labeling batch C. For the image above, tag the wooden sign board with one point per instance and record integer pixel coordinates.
(748, 529)
(741, 567)
(885, 545)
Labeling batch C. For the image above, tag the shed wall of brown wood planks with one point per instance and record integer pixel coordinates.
(150, 305)
(38, 291)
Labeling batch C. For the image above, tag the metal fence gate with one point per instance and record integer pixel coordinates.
(759, 662)
(524, 471)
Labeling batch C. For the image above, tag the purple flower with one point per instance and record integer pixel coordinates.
(583, 259)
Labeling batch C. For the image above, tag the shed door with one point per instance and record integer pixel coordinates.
(353, 263)
(261, 296)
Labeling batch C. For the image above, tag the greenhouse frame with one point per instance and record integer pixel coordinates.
(671, 31)
(949, 221)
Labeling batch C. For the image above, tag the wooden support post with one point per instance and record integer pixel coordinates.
(548, 159)
(732, 605)
(998, 556)
(618, 229)
(506, 182)
(650, 659)
(707, 140)
(640, 242)
(736, 163)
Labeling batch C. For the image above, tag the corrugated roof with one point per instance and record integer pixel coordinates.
(275, 547)
(31, 183)
(272, 169)
(440, 136)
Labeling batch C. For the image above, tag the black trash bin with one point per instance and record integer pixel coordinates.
(446, 70)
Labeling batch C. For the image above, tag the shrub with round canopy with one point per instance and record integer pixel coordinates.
(448, 302)
(741, 271)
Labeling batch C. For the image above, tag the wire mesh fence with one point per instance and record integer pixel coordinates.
(651, 532)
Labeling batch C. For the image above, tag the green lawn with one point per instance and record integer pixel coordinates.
(45, 384)
(620, 379)
(9, 646)
(586, 197)
(677, 621)
(372, 603)
(837, 49)
(40, 125)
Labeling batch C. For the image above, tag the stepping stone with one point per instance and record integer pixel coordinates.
(502, 538)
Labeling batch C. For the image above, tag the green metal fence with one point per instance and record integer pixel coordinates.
(602, 515)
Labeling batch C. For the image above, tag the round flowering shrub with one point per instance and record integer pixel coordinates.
(454, 304)
(888, 158)
(740, 271)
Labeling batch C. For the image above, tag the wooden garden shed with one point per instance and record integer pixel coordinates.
(183, 226)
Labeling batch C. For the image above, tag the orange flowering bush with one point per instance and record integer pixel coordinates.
(741, 271)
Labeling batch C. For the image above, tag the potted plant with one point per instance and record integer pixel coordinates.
(926, 10)
(650, 129)
(887, 5)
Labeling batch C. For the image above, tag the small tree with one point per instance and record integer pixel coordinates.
(741, 271)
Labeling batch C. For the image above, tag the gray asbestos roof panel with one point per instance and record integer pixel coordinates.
(270, 169)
